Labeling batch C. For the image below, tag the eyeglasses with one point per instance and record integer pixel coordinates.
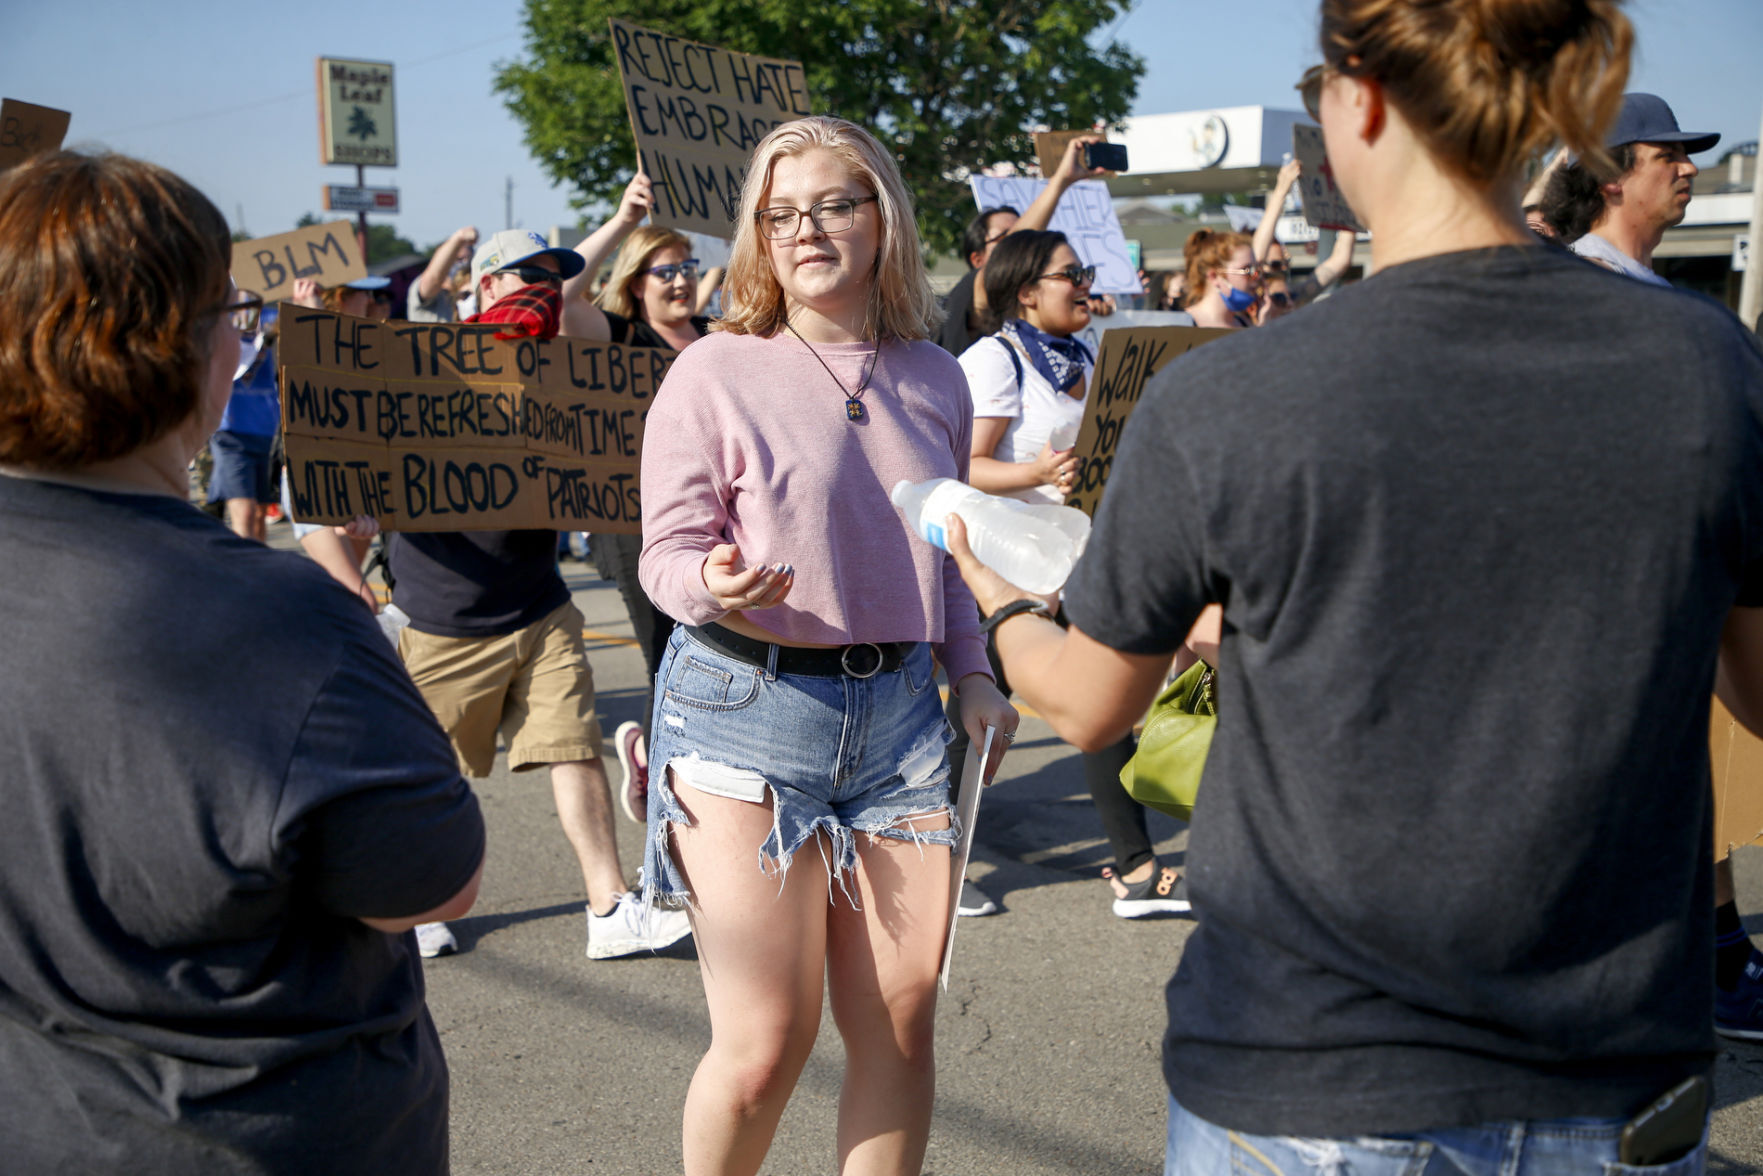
(829, 216)
(688, 267)
(1077, 275)
(1309, 89)
(244, 313)
(534, 275)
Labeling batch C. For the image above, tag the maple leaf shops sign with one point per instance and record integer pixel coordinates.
(356, 120)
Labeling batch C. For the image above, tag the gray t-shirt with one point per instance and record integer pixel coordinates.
(216, 766)
(1476, 524)
(438, 310)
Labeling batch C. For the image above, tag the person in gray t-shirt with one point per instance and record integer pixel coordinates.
(430, 299)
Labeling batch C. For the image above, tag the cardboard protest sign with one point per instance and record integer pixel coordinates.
(1127, 360)
(697, 111)
(328, 254)
(1737, 759)
(444, 427)
(1085, 215)
(1324, 206)
(26, 130)
(1050, 148)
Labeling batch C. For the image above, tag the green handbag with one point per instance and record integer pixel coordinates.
(1164, 773)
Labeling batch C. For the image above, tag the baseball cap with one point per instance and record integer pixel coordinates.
(513, 246)
(1645, 118)
(371, 282)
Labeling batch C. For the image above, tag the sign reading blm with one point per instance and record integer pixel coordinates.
(269, 266)
(356, 120)
(697, 111)
(1126, 361)
(444, 427)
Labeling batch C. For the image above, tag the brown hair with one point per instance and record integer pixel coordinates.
(634, 256)
(1489, 84)
(112, 268)
(1209, 249)
(901, 304)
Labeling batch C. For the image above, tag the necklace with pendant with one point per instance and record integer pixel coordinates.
(854, 410)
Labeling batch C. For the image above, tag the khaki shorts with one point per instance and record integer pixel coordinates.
(533, 687)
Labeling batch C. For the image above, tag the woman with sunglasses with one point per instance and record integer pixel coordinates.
(649, 301)
(1223, 279)
(1029, 380)
(799, 800)
(1477, 590)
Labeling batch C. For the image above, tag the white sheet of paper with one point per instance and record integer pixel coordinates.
(973, 776)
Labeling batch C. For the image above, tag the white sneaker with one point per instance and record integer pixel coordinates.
(621, 931)
(435, 939)
(974, 902)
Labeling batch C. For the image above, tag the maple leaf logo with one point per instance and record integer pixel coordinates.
(361, 125)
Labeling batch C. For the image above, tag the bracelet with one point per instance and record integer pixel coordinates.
(1014, 609)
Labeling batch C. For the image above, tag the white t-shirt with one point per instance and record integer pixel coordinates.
(1035, 409)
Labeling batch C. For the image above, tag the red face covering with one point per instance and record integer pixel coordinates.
(534, 312)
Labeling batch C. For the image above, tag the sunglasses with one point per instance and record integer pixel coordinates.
(1280, 300)
(1246, 271)
(688, 267)
(534, 275)
(1077, 275)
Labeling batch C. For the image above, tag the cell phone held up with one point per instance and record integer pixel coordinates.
(1107, 156)
(1669, 1127)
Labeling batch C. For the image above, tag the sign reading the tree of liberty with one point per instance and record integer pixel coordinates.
(356, 122)
(697, 111)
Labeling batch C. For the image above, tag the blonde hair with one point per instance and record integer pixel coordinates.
(901, 305)
(1209, 249)
(1489, 84)
(633, 257)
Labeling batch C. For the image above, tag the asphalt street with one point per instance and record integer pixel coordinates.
(1047, 1037)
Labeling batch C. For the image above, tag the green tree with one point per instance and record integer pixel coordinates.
(383, 241)
(951, 85)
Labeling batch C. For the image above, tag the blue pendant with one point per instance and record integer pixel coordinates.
(853, 409)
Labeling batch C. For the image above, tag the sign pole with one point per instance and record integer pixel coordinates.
(361, 217)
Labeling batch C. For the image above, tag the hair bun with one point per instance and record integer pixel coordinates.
(1531, 32)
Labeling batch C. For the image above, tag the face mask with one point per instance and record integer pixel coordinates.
(248, 349)
(1237, 301)
(534, 311)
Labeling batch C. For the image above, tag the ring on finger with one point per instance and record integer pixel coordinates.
(1009, 737)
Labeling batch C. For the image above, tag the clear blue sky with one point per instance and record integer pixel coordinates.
(223, 93)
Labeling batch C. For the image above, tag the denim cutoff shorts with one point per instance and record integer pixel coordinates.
(837, 756)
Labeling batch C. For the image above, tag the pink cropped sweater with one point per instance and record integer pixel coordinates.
(747, 442)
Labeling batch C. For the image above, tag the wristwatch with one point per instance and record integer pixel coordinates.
(1014, 609)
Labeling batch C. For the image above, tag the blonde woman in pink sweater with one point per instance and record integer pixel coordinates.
(799, 795)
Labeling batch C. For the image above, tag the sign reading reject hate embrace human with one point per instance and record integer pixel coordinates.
(1125, 362)
(444, 427)
(697, 111)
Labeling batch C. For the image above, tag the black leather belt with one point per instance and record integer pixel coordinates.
(864, 660)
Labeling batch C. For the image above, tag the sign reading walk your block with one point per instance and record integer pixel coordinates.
(444, 427)
(1125, 362)
(697, 111)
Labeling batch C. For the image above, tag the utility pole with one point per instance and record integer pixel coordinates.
(508, 204)
(1751, 286)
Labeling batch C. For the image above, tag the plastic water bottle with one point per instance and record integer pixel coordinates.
(1032, 546)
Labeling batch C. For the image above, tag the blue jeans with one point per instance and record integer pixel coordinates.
(834, 756)
(1556, 1147)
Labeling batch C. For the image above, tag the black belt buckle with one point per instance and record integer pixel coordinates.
(875, 651)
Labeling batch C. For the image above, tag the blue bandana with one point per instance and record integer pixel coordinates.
(1059, 358)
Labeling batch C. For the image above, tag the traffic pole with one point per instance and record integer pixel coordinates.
(361, 214)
